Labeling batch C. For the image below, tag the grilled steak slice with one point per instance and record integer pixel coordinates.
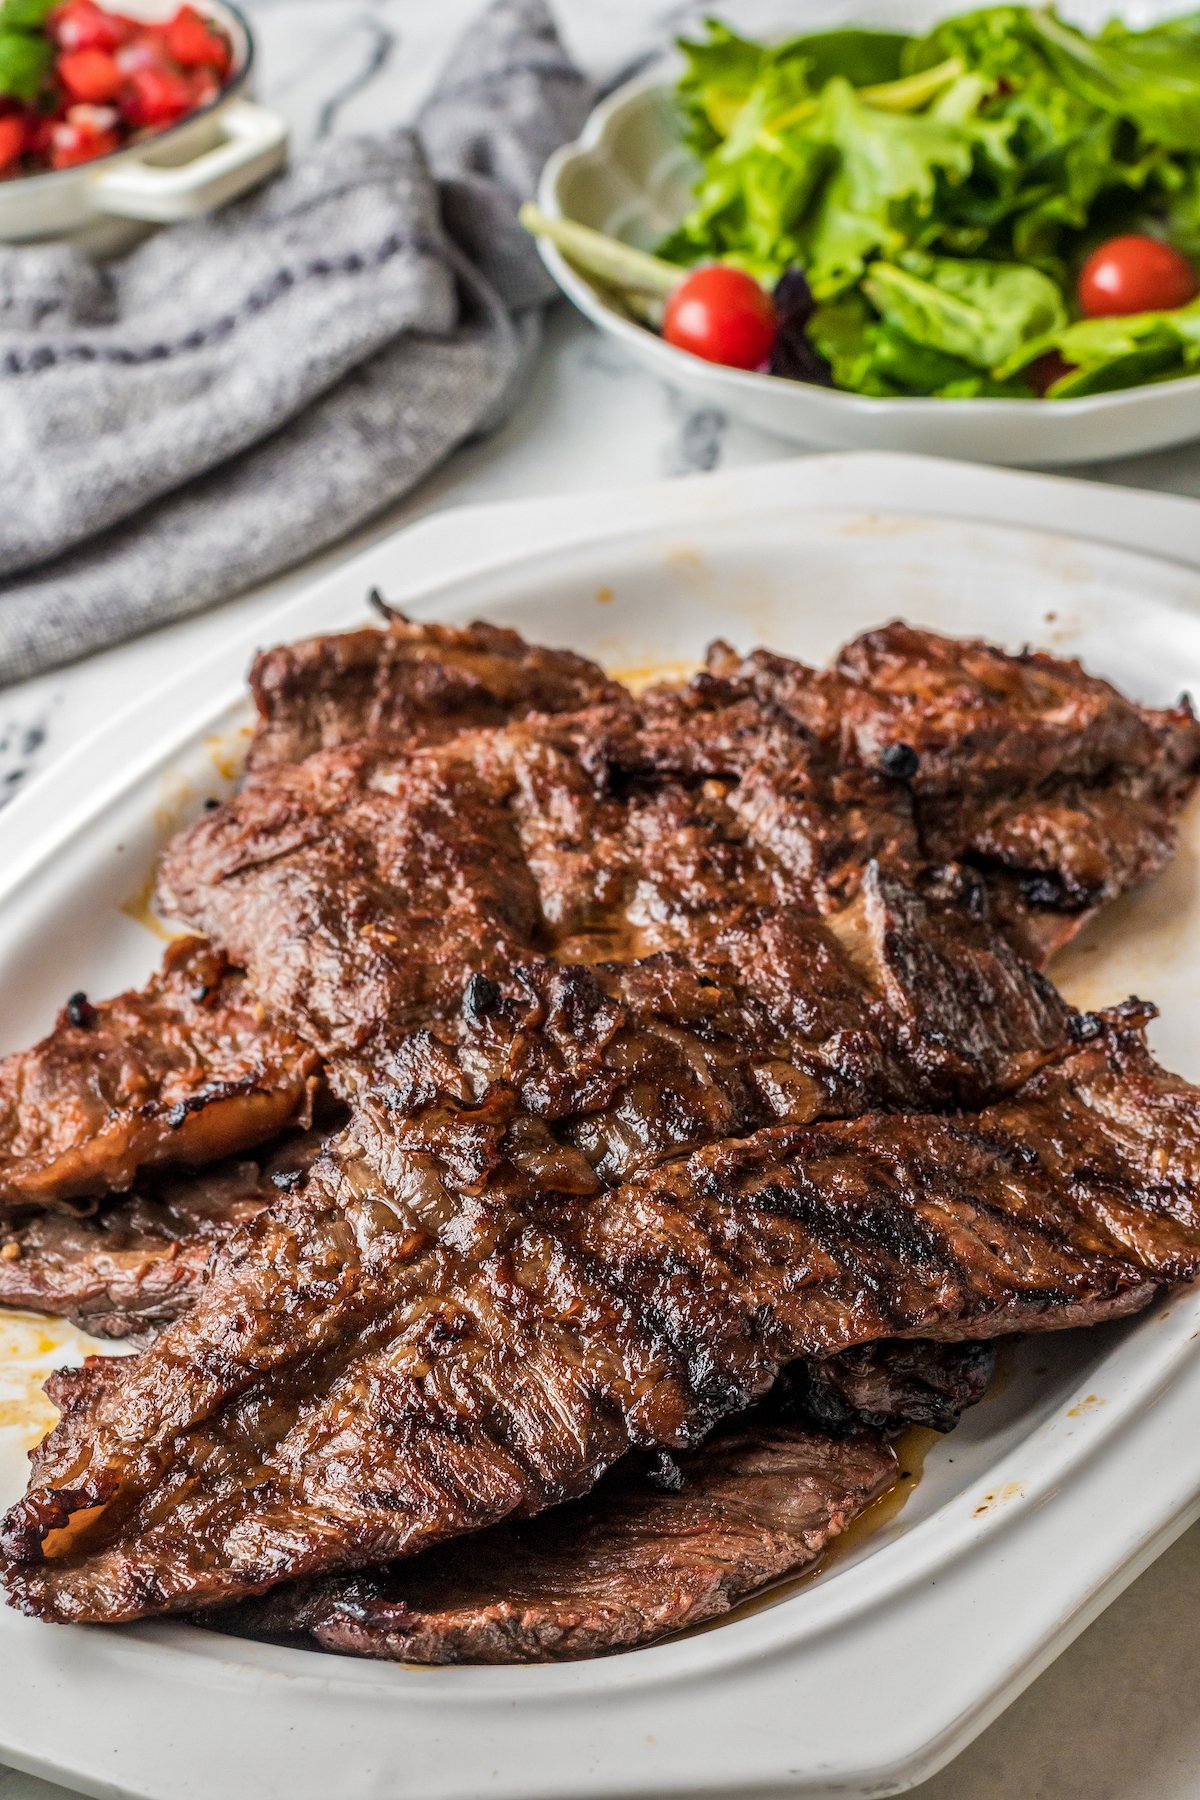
(455, 1322)
(882, 1387)
(630, 829)
(411, 683)
(190, 1069)
(630, 1564)
(635, 1062)
(460, 1318)
(1050, 859)
(362, 887)
(663, 1542)
(978, 720)
(365, 889)
(185, 1070)
(360, 891)
(139, 1261)
(1057, 788)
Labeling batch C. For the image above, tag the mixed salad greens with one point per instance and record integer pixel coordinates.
(934, 214)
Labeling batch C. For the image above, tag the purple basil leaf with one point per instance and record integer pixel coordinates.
(793, 356)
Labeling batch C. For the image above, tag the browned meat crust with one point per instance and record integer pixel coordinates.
(456, 1321)
(1053, 785)
(411, 684)
(627, 830)
(360, 890)
(628, 1565)
(189, 1068)
(601, 1208)
(884, 1386)
(139, 1261)
(663, 1542)
(980, 721)
(185, 1070)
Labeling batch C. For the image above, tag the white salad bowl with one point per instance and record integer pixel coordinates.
(206, 159)
(630, 176)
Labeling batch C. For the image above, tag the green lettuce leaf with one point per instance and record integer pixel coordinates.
(756, 187)
(723, 70)
(1072, 164)
(981, 312)
(720, 73)
(871, 356)
(882, 193)
(25, 15)
(791, 174)
(863, 58)
(25, 62)
(1150, 77)
(918, 369)
(843, 332)
(1181, 220)
(1106, 354)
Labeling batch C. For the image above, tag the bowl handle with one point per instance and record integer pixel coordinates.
(254, 142)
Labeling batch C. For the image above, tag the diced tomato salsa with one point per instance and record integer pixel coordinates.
(101, 78)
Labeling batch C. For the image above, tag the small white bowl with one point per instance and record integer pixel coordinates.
(209, 157)
(629, 175)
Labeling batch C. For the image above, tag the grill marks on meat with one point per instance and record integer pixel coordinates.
(386, 877)
(139, 1261)
(630, 1564)
(189, 1069)
(360, 890)
(578, 1214)
(633, 1063)
(456, 1322)
(979, 720)
(664, 1542)
(362, 886)
(185, 1070)
(411, 684)
(628, 832)
(1061, 791)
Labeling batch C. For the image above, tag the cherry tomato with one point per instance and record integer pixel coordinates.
(13, 134)
(146, 51)
(89, 74)
(722, 315)
(1135, 274)
(156, 96)
(85, 133)
(82, 25)
(193, 43)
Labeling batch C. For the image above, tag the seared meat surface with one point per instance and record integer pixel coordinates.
(411, 684)
(663, 1542)
(456, 1320)
(361, 891)
(190, 1069)
(885, 1386)
(630, 827)
(139, 1260)
(682, 1052)
(978, 720)
(1056, 788)
(626, 830)
(185, 1070)
(630, 1564)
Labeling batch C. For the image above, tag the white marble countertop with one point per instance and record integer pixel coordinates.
(1115, 1718)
